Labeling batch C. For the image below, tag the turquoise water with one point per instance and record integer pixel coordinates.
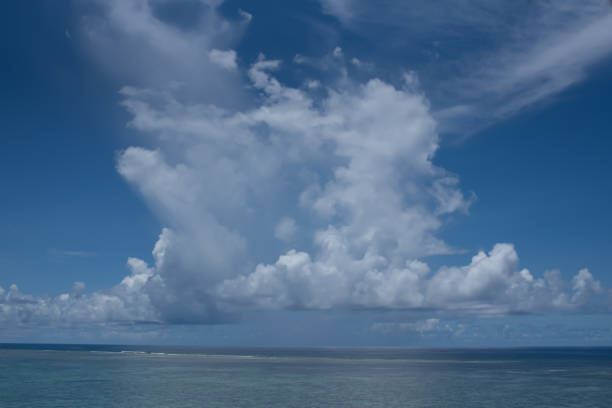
(122, 376)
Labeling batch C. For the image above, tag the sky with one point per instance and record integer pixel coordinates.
(313, 173)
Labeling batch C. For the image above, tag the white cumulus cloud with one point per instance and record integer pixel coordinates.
(345, 169)
(357, 164)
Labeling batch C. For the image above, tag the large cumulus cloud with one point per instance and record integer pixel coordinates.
(314, 197)
(355, 165)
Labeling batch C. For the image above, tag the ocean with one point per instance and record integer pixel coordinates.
(161, 376)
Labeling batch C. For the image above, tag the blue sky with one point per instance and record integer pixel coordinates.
(312, 173)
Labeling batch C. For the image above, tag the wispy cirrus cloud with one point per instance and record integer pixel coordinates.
(165, 44)
(483, 61)
(64, 253)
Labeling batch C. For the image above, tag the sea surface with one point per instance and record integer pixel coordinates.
(160, 376)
